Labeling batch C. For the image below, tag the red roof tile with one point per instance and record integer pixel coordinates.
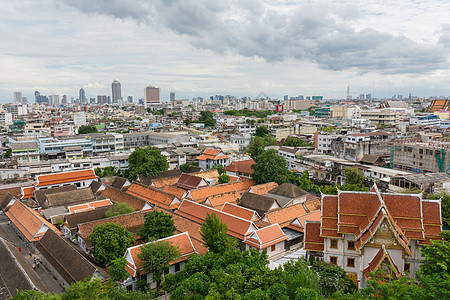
(241, 166)
(219, 200)
(153, 195)
(378, 259)
(240, 212)
(203, 193)
(191, 182)
(313, 240)
(65, 177)
(266, 237)
(262, 189)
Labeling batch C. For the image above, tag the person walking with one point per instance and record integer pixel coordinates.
(37, 264)
(34, 267)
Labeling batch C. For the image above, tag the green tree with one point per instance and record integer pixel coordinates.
(214, 234)
(257, 144)
(271, 167)
(224, 178)
(8, 153)
(157, 225)
(295, 142)
(207, 118)
(117, 270)
(86, 129)
(110, 241)
(445, 205)
(147, 161)
(184, 167)
(261, 131)
(156, 257)
(354, 176)
(437, 256)
(121, 208)
(332, 278)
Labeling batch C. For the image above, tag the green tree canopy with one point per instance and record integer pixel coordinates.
(295, 142)
(257, 144)
(224, 178)
(117, 270)
(147, 161)
(271, 167)
(214, 234)
(121, 208)
(354, 176)
(110, 241)
(86, 129)
(156, 257)
(157, 225)
(8, 153)
(261, 131)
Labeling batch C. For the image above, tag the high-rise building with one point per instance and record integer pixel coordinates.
(369, 97)
(54, 100)
(82, 96)
(64, 100)
(130, 99)
(172, 96)
(116, 92)
(18, 97)
(152, 95)
(102, 99)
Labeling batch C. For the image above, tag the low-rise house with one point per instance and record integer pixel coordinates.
(241, 168)
(191, 182)
(71, 221)
(135, 267)
(288, 194)
(179, 193)
(73, 209)
(200, 195)
(121, 183)
(211, 157)
(240, 211)
(25, 151)
(154, 196)
(219, 200)
(364, 231)
(261, 204)
(64, 262)
(121, 197)
(262, 189)
(270, 238)
(68, 198)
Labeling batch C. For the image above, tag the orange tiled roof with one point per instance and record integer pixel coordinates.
(240, 212)
(203, 193)
(27, 192)
(312, 216)
(237, 227)
(58, 178)
(284, 216)
(432, 221)
(190, 182)
(219, 200)
(262, 189)
(313, 240)
(212, 154)
(179, 193)
(162, 182)
(182, 241)
(212, 174)
(241, 166)
(119, 196)
(89, 206)
(153, 195)
(29, 222)
(266, 237)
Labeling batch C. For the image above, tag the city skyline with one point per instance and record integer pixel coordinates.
(203, 48)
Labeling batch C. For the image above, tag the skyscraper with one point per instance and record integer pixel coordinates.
(116, 91)
(18, 97)
(152, 95)
(82, 96)
(172, 96)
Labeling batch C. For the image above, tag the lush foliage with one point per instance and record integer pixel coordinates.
(271, 167)
(249, 113)
(157, 225)
(354, 176)
(156, 258)
(147, 161)
(107, 171)
(121, 208)
(117, 270)
(85, 129)
(224, 178)
(214, 234)
(207, 118)
(306, 184)
(261, 131)
(296, 142)
(257, 144)
(110, 241)
(8, 153)
(445, 205)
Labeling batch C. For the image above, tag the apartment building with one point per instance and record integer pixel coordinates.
(382, 116)
(356, 145)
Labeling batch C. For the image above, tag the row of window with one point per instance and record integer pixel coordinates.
(350, 261)
(334, 244)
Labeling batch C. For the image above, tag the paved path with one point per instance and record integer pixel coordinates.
(45, 275)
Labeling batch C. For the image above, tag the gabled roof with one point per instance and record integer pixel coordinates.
(432, 220)
(132, 221)
(89, 206)
(64, 177)
(261, 204)
(262, 189)
(237, 227)
(219, 200)
(119, 197)
(299, 222)
(240, 212)
(96, 186)
(313, 240)
(212, 154)
(284, 216)
(329, 223)
(266, 237)
(179, 193)
(182, 241)
(73, 220)
(40, 195)
(6, 200)
(162, 182)
(27, 192)
(378, 259)
(210, 174)
(153, 196)
(120, 182)
(241, 166)
(69, 263)
(203, 193)
(193, 169)
(147, 180)
(29, 222)
(16, 272)
(288, 190)
(68, 198)
(190, 182)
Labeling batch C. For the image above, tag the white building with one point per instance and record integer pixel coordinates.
(5, 118)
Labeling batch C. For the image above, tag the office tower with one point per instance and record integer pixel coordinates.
(172, 96)
(152, 95)
(369, 97)
(130, 99)
(64, 100)
(18, 97)
(36, 96)
(116, 91)
(54, 100)
(92, 100)
(286, 97)
(82, 97)
(102, 99)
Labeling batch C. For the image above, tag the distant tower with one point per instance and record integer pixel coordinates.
(116, 91)
(82, 95)
(172, 96)
(152, 96)
(18, 97)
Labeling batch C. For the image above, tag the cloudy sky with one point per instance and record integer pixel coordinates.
(237, 47)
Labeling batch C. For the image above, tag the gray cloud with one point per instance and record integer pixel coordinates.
(313, 32)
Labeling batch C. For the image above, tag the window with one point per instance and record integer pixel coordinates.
(333, 244)
(351, 245)
(177, 267)
(333, 260)
(272, 248)
(351, 262)
(406, 267)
